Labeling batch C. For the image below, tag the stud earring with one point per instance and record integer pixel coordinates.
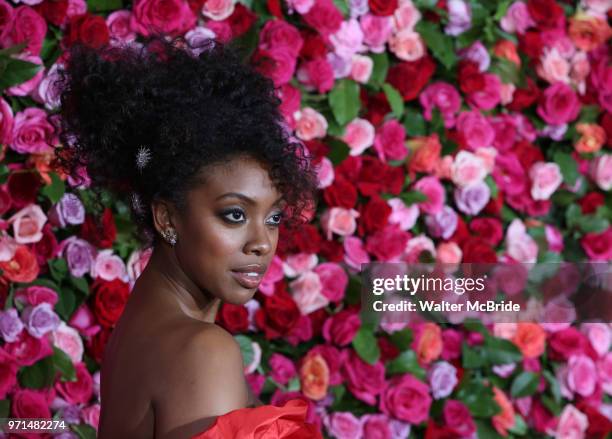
(170, 236)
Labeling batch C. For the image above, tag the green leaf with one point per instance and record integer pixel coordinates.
(104, 5)
(38, 375)
(338, 151)
(5, 406)
(63, 364)
(525, 384)
(80, 284)
(519, 427)
(17, 71)
(55, 190)
(58, 268)
(246, 347)
(508, 72)
(472, 358)
(395, 100)
(479, 399)
(342, 6)
(441, 45)
(568, 167)
(344, 101)
(366, 346)
(406, 362)
(402, 339)
(492, 186)
(414, 123)
(502, 7)
(593, 224)
(486, 431)
(501, 351)
(4, 173)
(379, 69)
(66, 304)
(553, 385)
(412, 197)
(14, 50)
(589, 113)
(572, 215)
(293, 385)
(85, 431)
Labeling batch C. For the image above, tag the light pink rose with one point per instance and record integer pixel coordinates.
(597, 8)
(517, 18)
(299, 263)
(339, 221)
(389, 141)
(572, 424)
(325, 173)
(443, 96)
(76, 7)
(407, 45)
(8, 247)
(307, 293)
(68, 340)
(310, 124)
(478, 54)
(545, 178)
(436, 196)
(468, 169)
(406, 398)
(32, 133)
(361, 68)
(600, 171)
(118, 23)
(520, 246)
(348, 40)
(476, 129)
(553, 67)
(137, 262)
(108, 266)
(355, 253)
(604, 369)
(343, 425)
(554, 238)
(334, 280)
(506, 93)
(489, 96)
(301, 6)
(599, 335)
(449, 253)
(359, 135)
(28, 224)
(402, 215)
(376, 31)
(406, 16)
(218, 9)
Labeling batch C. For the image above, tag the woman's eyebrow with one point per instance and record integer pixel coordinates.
(245, 198)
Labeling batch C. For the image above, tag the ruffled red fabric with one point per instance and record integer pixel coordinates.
(264, 422)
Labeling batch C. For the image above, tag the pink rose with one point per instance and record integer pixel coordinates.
(581, 375)
(476, 129)
(388, 243)
(218, 9)
(348, 40)
(545, 179)
(406, 398)
(376, 31)
(69, 341)
(572, 423)
(32, 133)
(554, 238)
(553, 67)
(27, 350)
(340, 329)
(84, 321)
(365, 381)
(355, 253)
(343, 425)
(334, 280)
(6, 122)
(458, 417)
(310, 124)
(361, 68)
(169, 16)
(118, 23)
(489, 96)
(301, 6)
(27, 25)
(91, 415)
(436, 196)
(8, 373)
(299, 263)
(137, 262)
(443, 96)
(404, 216)
(449, 253)
(520, 246)
(325, 173)
(359, 136)
(389, 141)
(27, 403)
(282, 368)
(559, 104)
(468, 169)
(598, 246)
(416, 246)
(108, 266)
(277, 63)
(517, 18)
(28, 224)
(79, 391)
(324, 16)
(339, 221)
(35, 295)
(406, 16)
(317, 74)
(599, 335)
(407, 45)
(279, 33)
(307, 294)
(601, 171)
(377, 426)
(604, 369)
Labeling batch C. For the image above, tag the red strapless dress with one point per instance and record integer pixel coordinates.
(264, 422)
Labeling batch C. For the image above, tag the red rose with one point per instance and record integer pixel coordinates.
(88, 29)
(374, 214)
(461, 232)
(234, 318)
(318, 149)
(599, 426)
(598, 246)
(382, 7)
(340, 329)
(435, 431)
(590, 202)
(97, 344)
(478, 250)
(100, 234)
(5, 200)
(340, 193)
(8, 373)
(457, 416)
(495, 205)
(376, 105)
(324, 16)
(6, 20)
(524, 97)
(567, 342)
(541, 418)
(332, 251)
(308, 239)
(22, 267)
(388, 351)
(27, 403)
(527, 154)
(278, 313)
(470, 78)
(79, 391)
(23, 187)
(407, 398)
(45, 248)
(546, 13)
(606, 123)
(314, 45)
(530, 43)
(409, 77)
(350, 167)
(241, 20)
(110, 298)
(489, 229)
(27, 350)
(54, 11)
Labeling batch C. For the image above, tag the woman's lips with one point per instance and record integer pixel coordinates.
(247, 281)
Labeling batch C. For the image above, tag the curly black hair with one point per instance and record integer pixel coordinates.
(188, 110)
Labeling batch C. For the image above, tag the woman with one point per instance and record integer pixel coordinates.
(195, 142)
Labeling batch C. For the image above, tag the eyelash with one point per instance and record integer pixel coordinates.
(233, 211)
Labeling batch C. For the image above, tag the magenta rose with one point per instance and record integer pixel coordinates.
(27, 350)
(169, 16)
(276, 63)
(406, 398)
(277, 33)
(8, 373)
(363, 380)
(282, 367)
(344, 425)
(341, 328)
(389, 141)
(28, 26)
(28, 403)
(79, 391)
(32, 132)
(6, 122)
(457, 416)
(558, 104)
(333, 280)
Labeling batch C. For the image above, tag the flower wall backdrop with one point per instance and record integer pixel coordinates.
(454, 131)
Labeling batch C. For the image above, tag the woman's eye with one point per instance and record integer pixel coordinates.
(234, 215)
(277, 219)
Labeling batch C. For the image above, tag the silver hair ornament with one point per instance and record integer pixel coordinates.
(142, 157)
(137, 204)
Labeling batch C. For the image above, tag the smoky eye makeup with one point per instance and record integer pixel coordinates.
(235, 215)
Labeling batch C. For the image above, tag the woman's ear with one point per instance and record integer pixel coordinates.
(163, 214)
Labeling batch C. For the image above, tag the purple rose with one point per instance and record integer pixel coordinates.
(459, 17)
(69, 210)
(10, 325)
(473, 198)
(442, 224)
(40, 319)
(79, 253)
(442, 378)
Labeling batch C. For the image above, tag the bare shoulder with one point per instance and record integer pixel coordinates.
(205, 379)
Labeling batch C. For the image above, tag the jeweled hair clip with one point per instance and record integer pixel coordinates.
(142, 157)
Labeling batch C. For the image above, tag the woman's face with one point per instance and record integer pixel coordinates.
(230, 223)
